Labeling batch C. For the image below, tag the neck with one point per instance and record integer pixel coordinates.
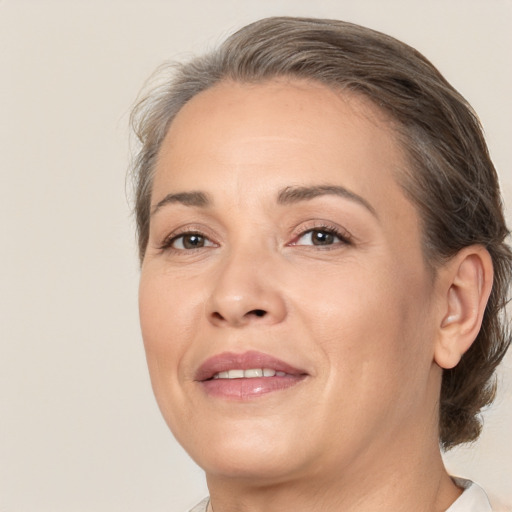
(414, 480)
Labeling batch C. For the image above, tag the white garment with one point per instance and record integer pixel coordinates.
(201, 507)
(472, 499)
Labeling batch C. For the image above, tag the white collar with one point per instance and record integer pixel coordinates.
(472, 499)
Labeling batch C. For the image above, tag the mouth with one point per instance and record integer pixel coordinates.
(252, 373)
(246, 376)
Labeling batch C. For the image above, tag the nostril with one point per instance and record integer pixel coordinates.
(234, 318)
(257, 312)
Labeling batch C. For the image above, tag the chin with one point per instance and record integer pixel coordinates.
(245, 454)
(255, 468)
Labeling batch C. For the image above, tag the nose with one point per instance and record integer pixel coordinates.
(245, 291)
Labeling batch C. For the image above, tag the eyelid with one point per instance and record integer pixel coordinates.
(174, 241)
(170, 238)
(343, 234)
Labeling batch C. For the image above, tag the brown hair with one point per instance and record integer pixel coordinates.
(451, 178)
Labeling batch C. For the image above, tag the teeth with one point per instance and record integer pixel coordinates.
(235, 374)
(248, 374)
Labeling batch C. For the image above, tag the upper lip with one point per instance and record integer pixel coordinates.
(245, 361)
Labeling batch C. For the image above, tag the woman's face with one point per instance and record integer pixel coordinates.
(286, 309)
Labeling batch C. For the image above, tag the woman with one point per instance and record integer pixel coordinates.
(323, 270)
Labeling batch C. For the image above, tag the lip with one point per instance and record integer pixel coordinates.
(245, 388)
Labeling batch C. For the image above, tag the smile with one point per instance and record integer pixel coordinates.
(252, 373)
(246, 376)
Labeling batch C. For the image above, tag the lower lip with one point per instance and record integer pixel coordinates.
(243, 389)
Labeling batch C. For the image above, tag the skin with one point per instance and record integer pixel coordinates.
(360, 315)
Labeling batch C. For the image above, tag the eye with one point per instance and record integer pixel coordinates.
(321, 237)
(187, 241)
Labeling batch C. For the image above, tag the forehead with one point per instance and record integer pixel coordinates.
(281, 106)
(284, 130)
(308, 112)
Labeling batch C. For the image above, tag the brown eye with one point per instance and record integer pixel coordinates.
(188, 241)
(320, 237)
(192, 241)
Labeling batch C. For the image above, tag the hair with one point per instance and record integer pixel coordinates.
(451, 178)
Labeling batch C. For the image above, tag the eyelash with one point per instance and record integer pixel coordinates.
(167, 244)
(344, 237)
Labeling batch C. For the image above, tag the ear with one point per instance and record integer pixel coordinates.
(466, 282)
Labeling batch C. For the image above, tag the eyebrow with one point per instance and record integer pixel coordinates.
(290, 195)
(198, 199)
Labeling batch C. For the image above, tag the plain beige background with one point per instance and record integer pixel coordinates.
(79, 429)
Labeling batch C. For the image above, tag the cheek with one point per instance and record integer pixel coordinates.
(370, 322)
(373, 341)
(167, 325)
(156, 311)
(166, 309)
(166, 328)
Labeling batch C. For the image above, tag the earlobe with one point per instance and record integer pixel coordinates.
(467, 281)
